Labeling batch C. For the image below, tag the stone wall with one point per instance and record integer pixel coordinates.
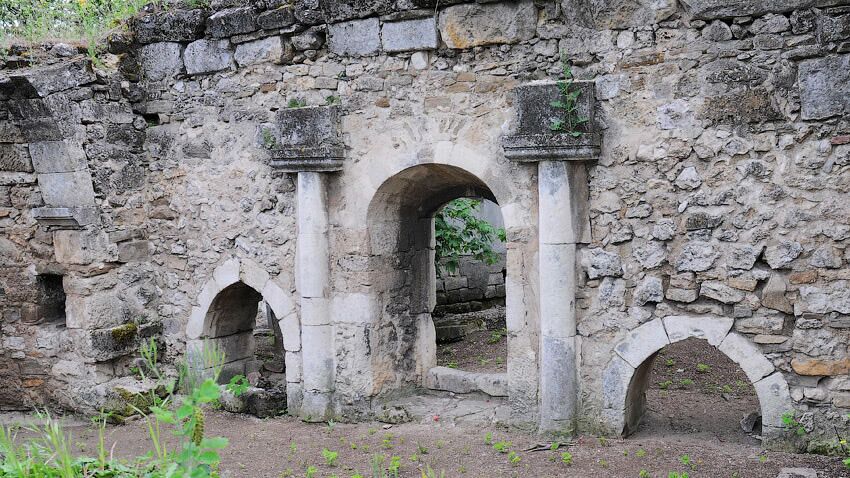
(722, 190)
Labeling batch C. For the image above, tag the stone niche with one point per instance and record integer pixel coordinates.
(533, 137)
(306, 139)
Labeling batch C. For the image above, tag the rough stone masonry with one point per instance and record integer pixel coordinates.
(159, 194)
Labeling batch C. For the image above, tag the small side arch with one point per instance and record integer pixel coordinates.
(241, 280)
(625, 378)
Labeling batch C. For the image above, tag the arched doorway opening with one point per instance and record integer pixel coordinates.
(628, 377)
(404, 278)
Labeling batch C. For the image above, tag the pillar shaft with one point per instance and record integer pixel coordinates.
(557, 249)
(313, 283)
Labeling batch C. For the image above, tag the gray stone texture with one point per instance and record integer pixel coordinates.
(161, 60)
(469, 25)
(268, 49)
(824, 86)
(357, 37)
(232, 21)
(417, 34)
(170, 26)
(205, 56)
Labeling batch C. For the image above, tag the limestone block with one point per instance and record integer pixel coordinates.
(82, 247)
(417, 34)
(820, 367)
(315, 405)
(712, 328)
(15, 157)
(469, 25)
(355, 308)
(824, 86)
(348, 9)
(603, 264)
(760, 324)
(208, 293)
(227, 273)
(558, 383)
(279, 300)
(253, 275)
(231, 21)
(649, 290)
(643, 342)
(355, 38)
(134, 251)
(780, 255)
(173, 25)
(266, 49)
(158, 61)
(308, 40)
(207, 56)
(711, 9)
(293, 367)
(825, 256)
(696, 256)
(774, 398)
(557, 290)
(747, 356)
(615, 383)
(460, 381)
(236, 346)
(280, 17)
(67, 189)
(195, 325)
(315, 311)
(290, 328)
(821, 300)
(317, 357)
(719, 291)
(312, 273)
(743, 257)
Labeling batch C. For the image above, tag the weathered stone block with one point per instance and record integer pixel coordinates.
(204, 56)
(15, 157)
(711, 9)
(82, 247)
(709, 327)
(57, 156)
(460, 381)
(476, 24)
(338, 10)
(170, 26)
(643, 342)
(820, 367)
(418, 34)
(67, 189)
(355, 38)
(231, 21)
(267, 49)
(278, 18)
(97, 311)
(309, 139)
(824, 86)
(308, 40)
(158, 61)
(721, 292)
(747, 356)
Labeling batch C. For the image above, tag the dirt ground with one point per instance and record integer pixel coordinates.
(284, 446)
(697, 390)
(480, 351)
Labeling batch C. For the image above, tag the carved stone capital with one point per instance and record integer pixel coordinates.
(306, 139)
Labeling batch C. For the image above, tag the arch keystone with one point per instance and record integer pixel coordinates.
(227, 273)
(747, 356)
(643, 342)
(712, 328)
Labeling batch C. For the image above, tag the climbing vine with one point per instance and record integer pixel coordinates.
(570, 120)
(460, 232)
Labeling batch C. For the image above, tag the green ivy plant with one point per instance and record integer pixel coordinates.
(459, 232)
(570, 120)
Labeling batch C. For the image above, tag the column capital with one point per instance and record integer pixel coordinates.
(306, 139)
(534, 138)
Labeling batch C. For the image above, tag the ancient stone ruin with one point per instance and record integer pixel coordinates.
(277, 165)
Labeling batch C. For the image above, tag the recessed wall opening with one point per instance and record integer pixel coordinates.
(51, 299)
(469, 316)
(691, 388)
(247, 331)
(403, 249)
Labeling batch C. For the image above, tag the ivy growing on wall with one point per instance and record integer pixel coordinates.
(460, 232)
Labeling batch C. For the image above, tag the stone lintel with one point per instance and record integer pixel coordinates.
(552, 147)
(308, 139)
(65, 217)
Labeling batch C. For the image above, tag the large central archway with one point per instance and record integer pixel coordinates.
(401, 239)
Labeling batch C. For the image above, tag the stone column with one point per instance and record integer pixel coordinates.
(563, 223)
(313, 283)
(557, 259)
(310, 145)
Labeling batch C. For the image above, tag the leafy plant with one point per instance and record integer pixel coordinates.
(567, 458)
(643, 474)
(570, 120)
(330, 456)
(296, 103)
(452, 364)
(237, 385)
(686, 382)
(665, 384)
(703, 368)
(488, 438)
(670, 362)
(459, 232)
(394, 466)
(502, 446)
(514, 458)
(311, 471)
(497, 335)
(790, 421)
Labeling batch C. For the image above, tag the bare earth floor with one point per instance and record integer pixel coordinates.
(285, 446)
